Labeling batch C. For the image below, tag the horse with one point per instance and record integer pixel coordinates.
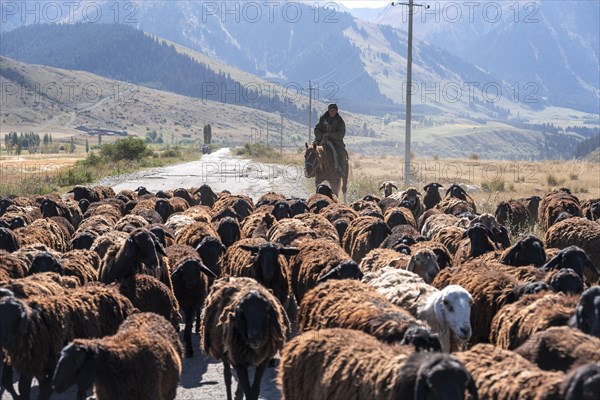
(319, 163)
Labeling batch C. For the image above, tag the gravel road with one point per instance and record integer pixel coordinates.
(202, 378)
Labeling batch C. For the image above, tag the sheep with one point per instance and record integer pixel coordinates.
(6, 202)
(442, 255)
(178, 221)
(490, 289)
(560, 348)
(591, 209)
(242, 205)
(229, 231)
(297, 206)
(400, 234)
(355, 305)
(193, 234)
(105, 209)
(257, 224)
(348, 364)
(289, 231)
(243, 325)
(476, 241)
(432, 195)
(414, 201)
(388, 188)
(108, 242)
(186, 195)
(262, 261)
(207, 196)
(318, 261)
(513, 213)
(9, 241)
(198, 213)
(279, 210)
(457, 192)
(317, 202)
(363, 235)
(149, 214)
(423, 262)
(528, 250)
(11, 267)
(557, 204)
(587, 312)
(456, 207)
(43, 231)
(66, 227)
(81, 264)
(35, 330)
(515, 323)
(326, 190)
(340, 216)
(68, 210)
(580, 232)
(322, 227)
(191, 280)
(436, 223)
(93, 194)
(167, 207)
(503, 375)
(140, 253)
(98, 224)
(447, 311)
(130, 222)
(395, 216)
(574, 258)
(142, 360)
(269, 198)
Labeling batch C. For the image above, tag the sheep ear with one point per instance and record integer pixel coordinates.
(129, 248)
(169, 235)
(158, 246)
(471, 387)
(87, 373)
(289, 251)
(511, 255)
(206, 271)
(247, 247)
(421, 387)
(411, 265)
(274, 319)
(426, 187)
(588, 263)
(329, 275)
(177, 271)
(554, 262)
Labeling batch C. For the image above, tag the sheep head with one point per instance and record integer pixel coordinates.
(210, 250)
(344, 270)
(570, 257)
(207, 196)
(433, 187)
(82, 192)
(566, 281)
(254, 316)
(422, 338)
(298, 207)
(267, 255)
(229, 231)
(388, 188)
(8, 240)
(143, 245)
(480, 238)
(529, 250)
(444, 377)
(281, 210)
(457, 192)
(452, 306)
(50, 208)
(189, 273)
(142, 191)
(424, 264)
(341, 225)
(163, 208)
(583, 383)
(45, 262)
(77, 365)
(325, 191)
(587, 313)
(83, 240)
(14, 320)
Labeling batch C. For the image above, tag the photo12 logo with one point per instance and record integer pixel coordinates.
(54, 12)
(490, 12)
(269, 11)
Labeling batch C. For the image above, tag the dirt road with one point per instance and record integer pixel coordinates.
(202, 378)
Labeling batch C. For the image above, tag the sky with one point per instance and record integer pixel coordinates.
(364, 3)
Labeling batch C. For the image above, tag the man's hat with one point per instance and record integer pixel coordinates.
(332, 105)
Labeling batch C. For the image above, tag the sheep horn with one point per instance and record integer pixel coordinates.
(395, 187)
(588, 263)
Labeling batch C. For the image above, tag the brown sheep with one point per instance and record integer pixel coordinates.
(395, 216)
(81, 264)
(363, 235)
(503, 375)
(437, 222)
(241, 204)
(43, 231)
(454, 206)
(582, 233)
(168, 207)
(388, 188)
(590, 209)
(422, 262)
(257, 224)
(515, 323)
(317, 202)
(105, 210)
(514, 214)
(289, 231)
(457, 192)
(355, 305)
(198, 213)
(340, 216)
(67, 209)
(558, 205)
(129, 223)
(262, 261)
(93, 194)
(442, 255)
(11, 267)
(243, 325)
(142, 360)
(323, 228)
(560, 348)
(317, 261)
(351, 365)
(38, 328)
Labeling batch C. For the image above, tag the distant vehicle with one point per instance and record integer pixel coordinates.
(206, 149)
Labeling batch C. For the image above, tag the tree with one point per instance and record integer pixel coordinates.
(99, 138)
(151, 137)
(72, 147)
(207, 134)
(87, 146)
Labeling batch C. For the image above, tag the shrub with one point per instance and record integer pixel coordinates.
(130, 148)
(553, 180)
(493, 185)
(257, 150)
(573, 176)
(474, 156)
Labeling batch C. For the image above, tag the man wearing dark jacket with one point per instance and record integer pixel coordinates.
(331, 130)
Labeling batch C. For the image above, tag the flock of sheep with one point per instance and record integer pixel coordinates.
(409, 296)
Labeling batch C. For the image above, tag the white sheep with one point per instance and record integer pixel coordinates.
(447, 311)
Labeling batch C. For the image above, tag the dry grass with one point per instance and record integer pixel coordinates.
(19, 168)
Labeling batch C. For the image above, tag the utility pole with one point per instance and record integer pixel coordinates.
(310, 88)
(267, 131)
(407, 155)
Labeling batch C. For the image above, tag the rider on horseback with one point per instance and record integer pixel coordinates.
(330, 131)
